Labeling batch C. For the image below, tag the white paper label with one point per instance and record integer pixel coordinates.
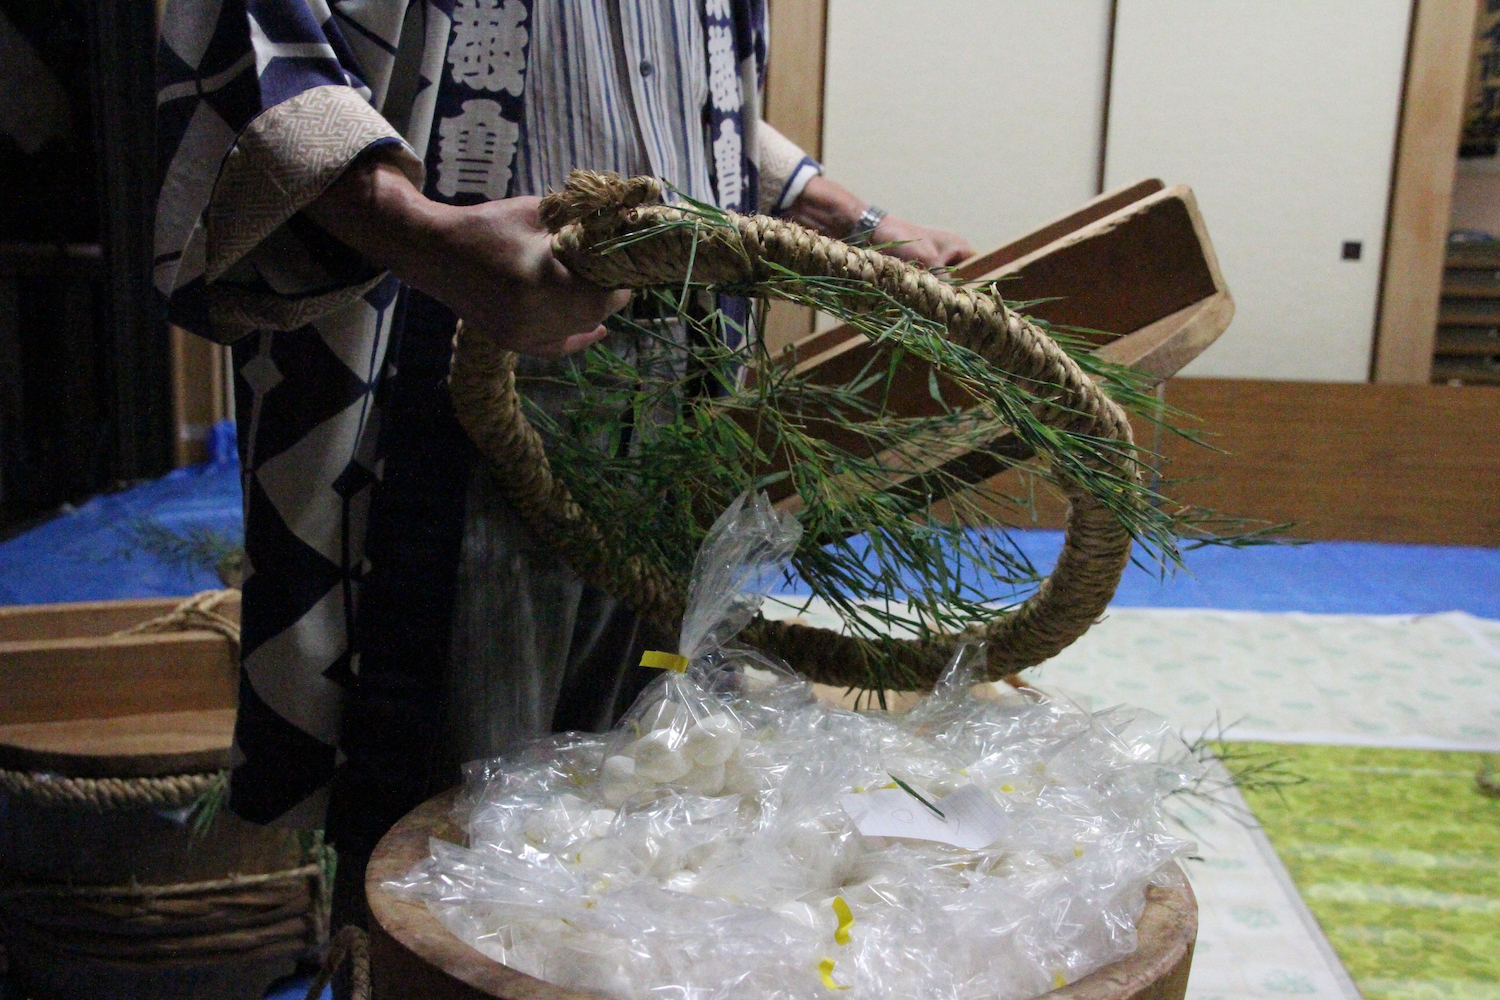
(970, 819)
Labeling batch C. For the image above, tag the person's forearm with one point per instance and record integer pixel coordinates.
(835, 211)
(828, 207)
(377, 211)
(491, 264)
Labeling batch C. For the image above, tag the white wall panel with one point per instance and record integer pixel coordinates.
(984, 116)
(1281, 114)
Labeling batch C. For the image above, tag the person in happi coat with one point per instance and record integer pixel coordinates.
(340, 181)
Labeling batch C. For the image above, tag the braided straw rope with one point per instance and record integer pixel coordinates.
(351, 944)
(589, 218)
(177, 890)
(168, 924)
(53, 791)
(201, 611)
(174, 791)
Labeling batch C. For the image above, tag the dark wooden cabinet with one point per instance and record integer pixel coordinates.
(85, 386)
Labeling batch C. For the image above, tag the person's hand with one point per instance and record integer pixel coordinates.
(834, 210)
(492, 264)
(923, 245)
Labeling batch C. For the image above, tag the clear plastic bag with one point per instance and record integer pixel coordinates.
(684, 730)
(706, 847)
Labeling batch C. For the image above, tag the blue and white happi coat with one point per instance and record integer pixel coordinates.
(262, 104)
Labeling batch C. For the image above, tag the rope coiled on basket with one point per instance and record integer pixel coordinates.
(590, 218)
(186, 921)
(173, 791)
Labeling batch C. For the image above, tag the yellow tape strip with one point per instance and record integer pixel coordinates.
(825, 969)
(846, 919)
(664, 661)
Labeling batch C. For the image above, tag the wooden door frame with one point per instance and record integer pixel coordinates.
(794, 107)
(794, 78)
(1437, 67)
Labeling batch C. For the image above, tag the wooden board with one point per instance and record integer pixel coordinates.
(1448, 369)
(1442, 36)
(794, 76)
(83, 701)
(1120, 273)
(125, 746)
(1468, 340)
(1344, 461)
(1470, 312)
(1123, 262)
(1475, 256)
(1093, 210)
(1471, 284)
(91, 678)
(90, 618)
(201, 392)
(794, 107)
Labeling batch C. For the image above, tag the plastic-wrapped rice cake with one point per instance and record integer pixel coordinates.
(710, 847)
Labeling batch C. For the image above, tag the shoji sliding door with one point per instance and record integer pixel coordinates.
(985, 116)
(1282, 115)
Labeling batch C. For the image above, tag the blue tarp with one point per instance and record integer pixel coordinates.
(104, 549)
(1317, 577)
(115, 546)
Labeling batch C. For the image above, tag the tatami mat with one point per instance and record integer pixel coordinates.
(1256, 937)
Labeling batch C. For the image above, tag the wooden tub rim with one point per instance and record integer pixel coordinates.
(407, 934)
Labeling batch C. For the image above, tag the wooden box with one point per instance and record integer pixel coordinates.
(81, 701)
(1134, 266)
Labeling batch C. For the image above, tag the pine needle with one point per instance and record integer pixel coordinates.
(653, 457)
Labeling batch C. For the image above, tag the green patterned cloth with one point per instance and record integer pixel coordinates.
(1398, 856)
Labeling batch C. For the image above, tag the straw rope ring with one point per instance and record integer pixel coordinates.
(589, 218)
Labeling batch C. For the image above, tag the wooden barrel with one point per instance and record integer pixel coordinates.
(108, 888)
(413, 957)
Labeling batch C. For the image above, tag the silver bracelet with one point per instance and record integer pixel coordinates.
(864, 228)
